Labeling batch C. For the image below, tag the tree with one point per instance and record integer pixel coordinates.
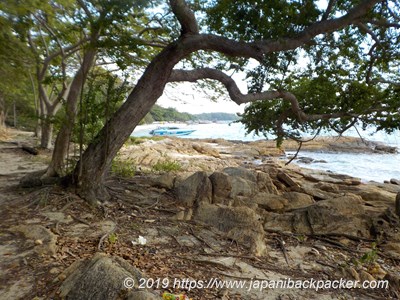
(15, 86)
(301, 25)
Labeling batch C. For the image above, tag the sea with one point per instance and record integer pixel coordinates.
(366, 166)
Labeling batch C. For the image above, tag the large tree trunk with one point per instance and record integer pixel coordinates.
(64, 135)
(91, 171)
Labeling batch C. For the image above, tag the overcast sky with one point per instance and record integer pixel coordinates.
(189, 97)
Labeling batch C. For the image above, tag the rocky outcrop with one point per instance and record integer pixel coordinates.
(195, 189)
(241, 224)
(103, 277)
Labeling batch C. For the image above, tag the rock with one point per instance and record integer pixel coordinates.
(318, 194)
(377, 197)
(394, 282)
(241, 172)
(179, 215)
(327, 187)
(353, 273)
(203, 149)
(242, 187)
(342, 215)
(101, 277)
(165, 181)
(365, 276)
(58, 217)
(297, 200)
(270, 202)
(45, 240)
(195, 189)
(286, 179)
(221, 187)
(224, 218)
(265, 183)
(305, 160)
(142, 295)
(250, 236)
(397, 204)
(395, 181)
(392, 249)
(240, 223)
(385, 149)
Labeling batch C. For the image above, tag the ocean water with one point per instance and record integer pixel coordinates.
(376, 167)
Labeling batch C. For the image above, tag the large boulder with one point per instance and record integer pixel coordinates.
(342, 215)
(242, 187)
(195, 189)
(270, 202)
(297, 200)
(240, 223)
(265, 183)
(102, 277)
(221, 187)
(242, 173)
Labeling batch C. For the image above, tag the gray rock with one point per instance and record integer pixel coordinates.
(327, 187)
(286, 179)
(101, 277)
(342, 215)
(166, 181)
(395, 181)
(270, 202)
(241, 224)
(242, 187)
(297, 200)
(195, 189)
(397, 204)
(265, 183)
(48, 240)
(241, 172)
(221, 187)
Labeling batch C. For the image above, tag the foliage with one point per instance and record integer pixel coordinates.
(102, 96)
(161, 114)
(112, 238)
(166, 166)
(216, 116)
(369, 257)
(123, 168)
(348, 77)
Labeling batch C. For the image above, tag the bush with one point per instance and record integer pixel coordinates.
(167, 166)
(123, 168)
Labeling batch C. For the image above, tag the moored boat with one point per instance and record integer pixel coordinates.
(176, 131)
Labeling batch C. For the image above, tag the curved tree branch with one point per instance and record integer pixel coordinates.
(185, 16)
(239, 98)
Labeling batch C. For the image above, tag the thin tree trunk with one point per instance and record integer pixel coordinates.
(15, 114)
(46, 132)
(2, 112)
(91, 170)
(63, 139)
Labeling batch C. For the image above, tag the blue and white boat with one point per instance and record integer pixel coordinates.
(176, 131)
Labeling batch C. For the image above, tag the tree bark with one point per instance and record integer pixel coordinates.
(46, 132)
(2, 112)
(64, 135)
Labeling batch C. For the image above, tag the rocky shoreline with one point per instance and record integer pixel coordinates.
(210, 209)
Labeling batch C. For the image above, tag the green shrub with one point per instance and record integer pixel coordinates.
(123, 168)
(167, 166)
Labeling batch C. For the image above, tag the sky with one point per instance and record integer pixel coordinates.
(186, 98)
(189, 97)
